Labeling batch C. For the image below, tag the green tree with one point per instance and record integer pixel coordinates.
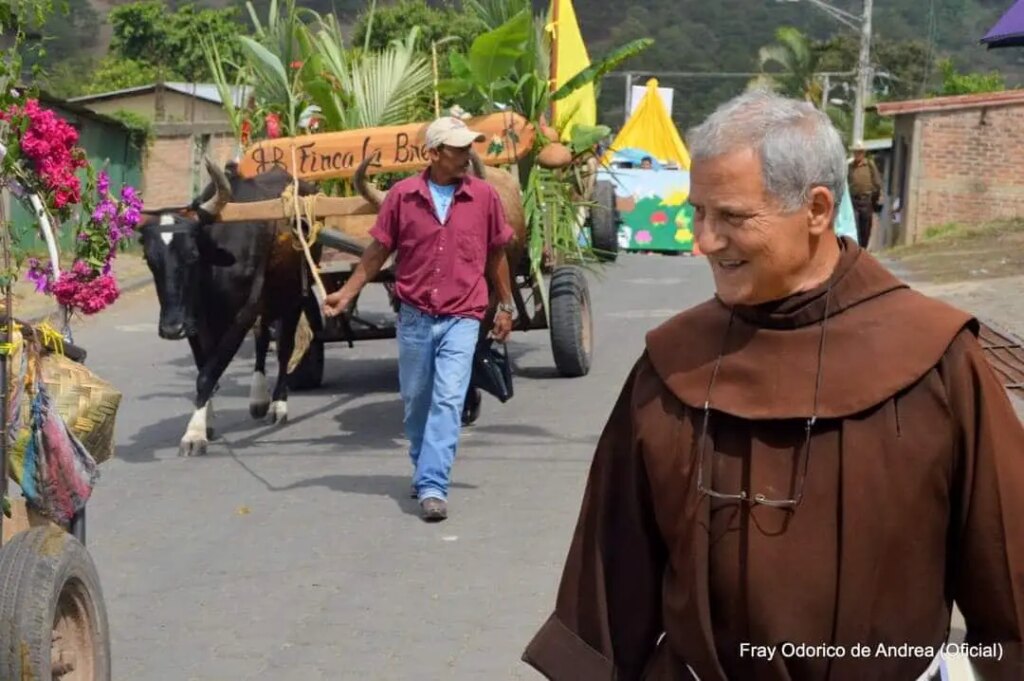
(72, 28)
(903, 68)
(956, 83)
(145, 33)
(795, 63)
(118, 73)
(435, 24)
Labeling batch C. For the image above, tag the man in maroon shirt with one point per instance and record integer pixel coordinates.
(449, 230)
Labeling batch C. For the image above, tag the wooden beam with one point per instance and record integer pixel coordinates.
(274, 209)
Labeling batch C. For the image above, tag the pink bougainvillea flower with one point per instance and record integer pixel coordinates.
(49, 143)
(48, 154)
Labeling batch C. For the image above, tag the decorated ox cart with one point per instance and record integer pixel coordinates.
(552, 296)
(57, 424)
(57, 417)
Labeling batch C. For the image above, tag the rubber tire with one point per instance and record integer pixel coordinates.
(604, 222)
(309, 374)
(35, 566)
(571, 323)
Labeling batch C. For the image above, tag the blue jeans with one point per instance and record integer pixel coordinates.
(435, 363)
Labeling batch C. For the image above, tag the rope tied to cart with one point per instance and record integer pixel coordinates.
(319, 291)
(301, 208)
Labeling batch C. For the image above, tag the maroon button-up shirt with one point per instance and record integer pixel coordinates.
(440, 266)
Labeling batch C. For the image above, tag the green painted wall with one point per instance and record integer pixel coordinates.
(108, 146)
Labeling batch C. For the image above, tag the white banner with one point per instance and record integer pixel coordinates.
(637, 95)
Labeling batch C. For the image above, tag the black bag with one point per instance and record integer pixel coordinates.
(492, 371)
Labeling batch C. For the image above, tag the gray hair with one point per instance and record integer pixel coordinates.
(798, 146)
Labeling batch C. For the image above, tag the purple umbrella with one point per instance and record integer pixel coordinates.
(1009, 30)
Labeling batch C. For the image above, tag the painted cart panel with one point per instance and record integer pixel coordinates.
(653, 212)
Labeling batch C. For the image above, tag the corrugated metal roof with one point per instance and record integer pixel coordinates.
(951, 103)
(205, 91)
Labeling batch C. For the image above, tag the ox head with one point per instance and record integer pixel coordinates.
(176, 244)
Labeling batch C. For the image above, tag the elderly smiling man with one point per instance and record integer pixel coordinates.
(801, 474)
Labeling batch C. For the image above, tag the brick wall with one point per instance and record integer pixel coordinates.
(970, 166)
(170, 170)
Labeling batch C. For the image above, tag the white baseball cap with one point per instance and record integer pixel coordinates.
(452, 132)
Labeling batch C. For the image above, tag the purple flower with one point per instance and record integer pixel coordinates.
(38, 275)
(106, 210)
(103, 183)
(132, 217)
(129, 196)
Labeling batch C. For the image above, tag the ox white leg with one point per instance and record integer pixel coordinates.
(278, 412)
(259, 395)
(210, 428)
(195, 440)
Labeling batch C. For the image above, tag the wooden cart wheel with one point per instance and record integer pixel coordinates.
(53, 622)
(571, 324)
(604, 222)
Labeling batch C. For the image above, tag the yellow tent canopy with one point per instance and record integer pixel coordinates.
(569, 57)
(651, 128)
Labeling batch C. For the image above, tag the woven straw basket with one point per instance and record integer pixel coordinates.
(87, 403)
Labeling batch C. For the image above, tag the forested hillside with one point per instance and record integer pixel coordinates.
(706, 36)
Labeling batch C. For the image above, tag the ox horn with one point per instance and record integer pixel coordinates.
(367, 189)
(222, 195)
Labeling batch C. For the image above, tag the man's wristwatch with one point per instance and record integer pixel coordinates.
(506, 307)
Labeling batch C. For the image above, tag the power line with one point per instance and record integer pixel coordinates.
(712, 74)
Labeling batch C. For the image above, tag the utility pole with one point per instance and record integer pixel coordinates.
(629, 95)
(863, 72)
(862, 24)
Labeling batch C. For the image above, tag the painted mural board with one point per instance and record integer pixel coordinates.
(653, 212)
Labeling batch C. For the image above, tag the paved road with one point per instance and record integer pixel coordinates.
(293, 554)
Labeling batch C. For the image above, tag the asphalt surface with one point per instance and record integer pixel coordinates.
(292, 553)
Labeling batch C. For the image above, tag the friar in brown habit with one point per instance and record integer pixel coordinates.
(802, 474)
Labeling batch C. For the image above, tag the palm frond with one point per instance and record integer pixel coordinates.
(494, 13)
(383, 86)
(594, 72)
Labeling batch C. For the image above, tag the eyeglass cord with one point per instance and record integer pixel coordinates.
(760, 498)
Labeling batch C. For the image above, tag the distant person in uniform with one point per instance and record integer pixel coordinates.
(865, 190)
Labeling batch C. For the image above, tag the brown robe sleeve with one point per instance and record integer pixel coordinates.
(607, 618)
(987, 551)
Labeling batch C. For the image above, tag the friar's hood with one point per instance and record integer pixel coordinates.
(880, 338)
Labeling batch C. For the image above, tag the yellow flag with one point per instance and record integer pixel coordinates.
(569, 57)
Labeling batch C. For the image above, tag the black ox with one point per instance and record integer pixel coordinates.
(215, 280)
